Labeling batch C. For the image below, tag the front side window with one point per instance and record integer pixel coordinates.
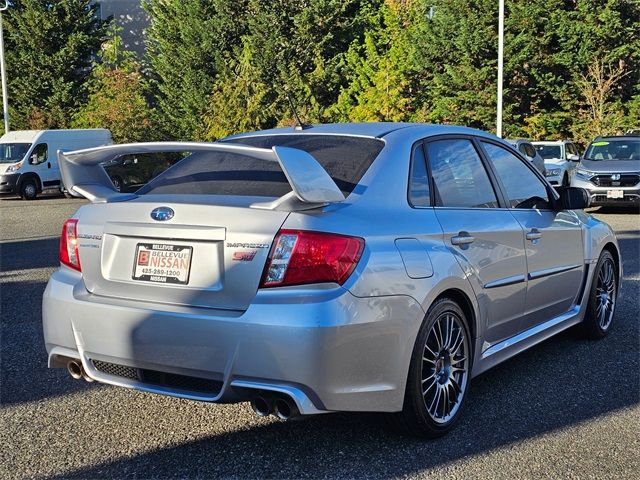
(523, 187)
(460, 179)
(531, 152)
(419, 181)
(523, 149)
(39, 154)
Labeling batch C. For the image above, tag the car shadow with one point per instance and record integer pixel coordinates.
(24, 375)
(29, 254)
(631, 210)
(560, 383)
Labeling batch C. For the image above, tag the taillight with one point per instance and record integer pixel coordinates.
(300, 257)
(69, 245)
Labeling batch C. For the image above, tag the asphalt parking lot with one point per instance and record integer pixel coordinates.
(567, 408)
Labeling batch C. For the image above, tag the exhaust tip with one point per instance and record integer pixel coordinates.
(285, 409)
(261, 406)
(75, 369)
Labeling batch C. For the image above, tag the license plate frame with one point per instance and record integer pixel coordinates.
(172, 265)
(615, 193)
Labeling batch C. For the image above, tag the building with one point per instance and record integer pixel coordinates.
(133, 19)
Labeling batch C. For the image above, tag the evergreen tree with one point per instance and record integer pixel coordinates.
(299, 47)
(186, 45)
(49, 49)
(117, 95)
(289, 49)
(380, 69)
(238, 100)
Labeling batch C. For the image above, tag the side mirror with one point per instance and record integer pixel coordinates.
(573, 157)
(573, 198)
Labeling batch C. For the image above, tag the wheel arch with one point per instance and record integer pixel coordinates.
(613, 249)
(467, 306)
(30, 176)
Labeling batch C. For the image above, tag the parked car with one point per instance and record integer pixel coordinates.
(130, 172)
(610, 171)
(560, 159)
(28, 160)
(526, 148)
(349, 267)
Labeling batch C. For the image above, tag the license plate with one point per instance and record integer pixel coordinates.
(615, 194)
(162, 263)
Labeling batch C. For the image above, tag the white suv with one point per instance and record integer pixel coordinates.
(560, 160)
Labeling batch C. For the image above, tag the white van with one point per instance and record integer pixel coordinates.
(29, 160)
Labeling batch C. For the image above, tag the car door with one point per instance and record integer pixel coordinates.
(553, 239)
(573, 158)
(485, 238)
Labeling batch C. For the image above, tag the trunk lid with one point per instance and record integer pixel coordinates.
(211, 253)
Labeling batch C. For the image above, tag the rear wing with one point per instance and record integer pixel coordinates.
(83, 174)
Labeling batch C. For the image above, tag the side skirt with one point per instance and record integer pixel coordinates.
(499, 352)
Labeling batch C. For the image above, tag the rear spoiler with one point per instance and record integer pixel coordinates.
(83, 174)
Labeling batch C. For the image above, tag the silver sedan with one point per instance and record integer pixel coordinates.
(355, 267)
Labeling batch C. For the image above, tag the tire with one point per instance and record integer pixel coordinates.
(603, 294)
(565, 180)
(438, 372)
(29, 189)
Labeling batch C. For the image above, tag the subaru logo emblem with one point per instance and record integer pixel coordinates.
(615, 176)
(162, 213)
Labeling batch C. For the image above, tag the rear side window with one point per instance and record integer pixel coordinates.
(419, 181)
(459, 177)
(346, 159)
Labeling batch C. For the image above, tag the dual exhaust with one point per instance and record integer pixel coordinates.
(77, 371)
(280, 405)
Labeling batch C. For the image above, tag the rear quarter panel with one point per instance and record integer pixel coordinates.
(379, 212)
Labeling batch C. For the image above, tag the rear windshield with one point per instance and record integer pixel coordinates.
(614, 150)
(346, 159)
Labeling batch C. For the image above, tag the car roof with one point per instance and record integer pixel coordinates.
(551, 142)
(613, 138)
(368, 129)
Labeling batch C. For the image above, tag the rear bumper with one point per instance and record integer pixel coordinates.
(325, 348)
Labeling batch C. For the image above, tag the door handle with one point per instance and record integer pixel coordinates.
(48, 164)
(534, 234)
(463, 238)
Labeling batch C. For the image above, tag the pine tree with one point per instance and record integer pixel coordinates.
(299, 50)
(117, 95)
(380, 69)
(186, 45)
(238, 100)
(49, 49)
